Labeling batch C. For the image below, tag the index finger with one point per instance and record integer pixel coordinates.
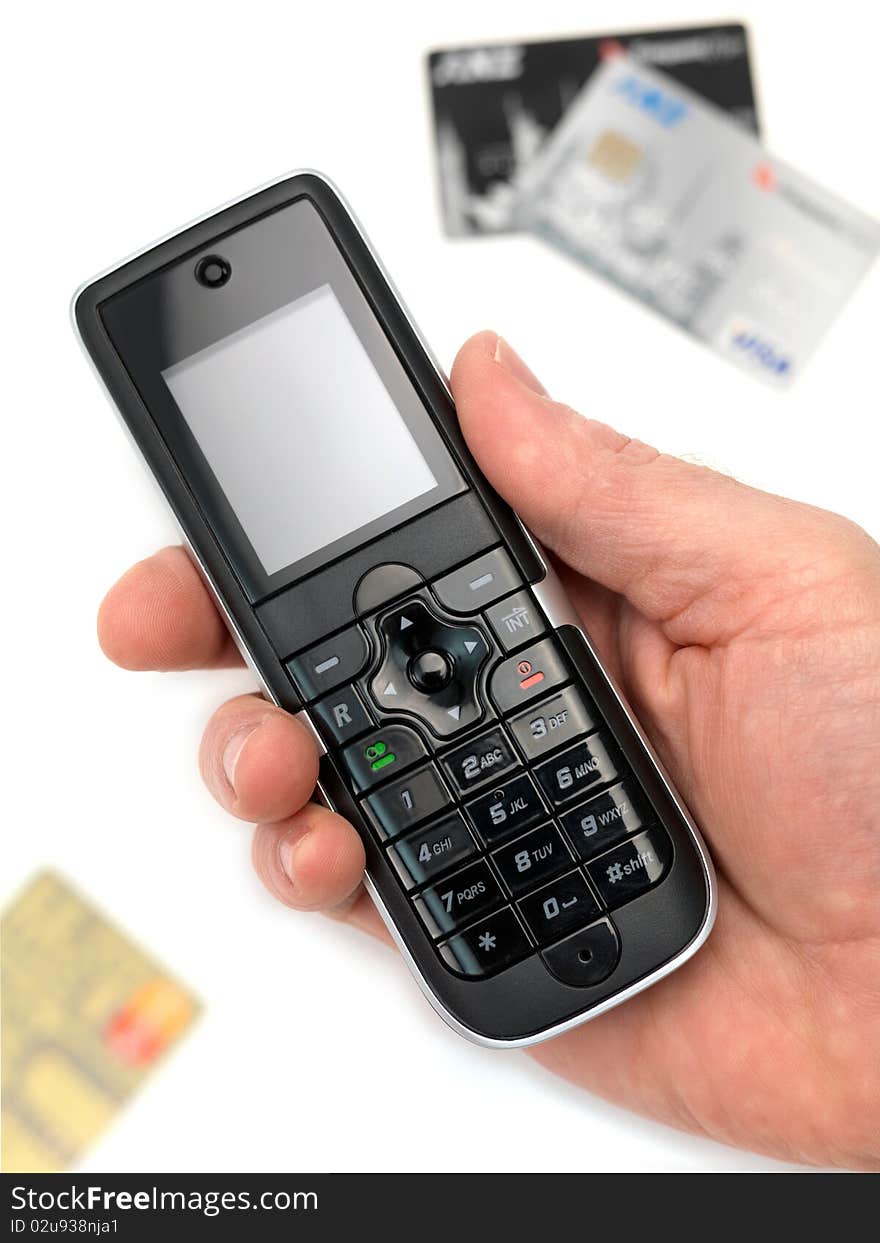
(160, 615)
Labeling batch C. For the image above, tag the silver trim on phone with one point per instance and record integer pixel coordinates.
(559, 611)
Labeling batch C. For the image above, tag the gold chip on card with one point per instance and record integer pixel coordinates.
(615, 155)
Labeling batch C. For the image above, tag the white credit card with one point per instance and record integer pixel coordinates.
(658, 190)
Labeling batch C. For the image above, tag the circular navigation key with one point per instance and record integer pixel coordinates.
(430, 671)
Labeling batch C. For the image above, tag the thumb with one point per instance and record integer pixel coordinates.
(677, 540)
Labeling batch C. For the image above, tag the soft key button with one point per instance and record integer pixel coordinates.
(478, 583)
(330, 663)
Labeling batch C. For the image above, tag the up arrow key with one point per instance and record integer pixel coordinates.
(390, 689)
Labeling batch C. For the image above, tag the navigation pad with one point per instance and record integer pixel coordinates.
(430, 668)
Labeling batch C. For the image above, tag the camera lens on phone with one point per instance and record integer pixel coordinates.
(212, 271)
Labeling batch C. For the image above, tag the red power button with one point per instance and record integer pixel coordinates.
(529, 679)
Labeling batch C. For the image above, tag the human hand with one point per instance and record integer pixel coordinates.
(745, 631)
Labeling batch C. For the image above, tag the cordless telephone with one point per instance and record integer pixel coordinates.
(528, 853)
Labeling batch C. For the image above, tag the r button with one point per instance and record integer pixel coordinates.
(342, 716)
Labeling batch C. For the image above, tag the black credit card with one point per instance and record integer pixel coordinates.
(495, 104)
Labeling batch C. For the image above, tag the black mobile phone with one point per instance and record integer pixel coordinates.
(524, 846)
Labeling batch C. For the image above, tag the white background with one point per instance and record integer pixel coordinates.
(316, 1051)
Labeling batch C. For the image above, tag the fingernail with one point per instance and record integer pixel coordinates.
(232, 752)
(507, 357)
(287, 848)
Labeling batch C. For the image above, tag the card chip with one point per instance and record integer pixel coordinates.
(615, 155)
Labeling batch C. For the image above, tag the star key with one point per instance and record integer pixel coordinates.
(487, 947)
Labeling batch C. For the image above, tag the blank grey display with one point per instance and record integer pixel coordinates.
(299, 429)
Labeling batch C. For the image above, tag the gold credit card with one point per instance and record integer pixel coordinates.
(86, 1015)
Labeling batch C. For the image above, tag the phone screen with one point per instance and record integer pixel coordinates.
(299, 429)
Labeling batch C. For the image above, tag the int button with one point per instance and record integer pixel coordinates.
(516, 621)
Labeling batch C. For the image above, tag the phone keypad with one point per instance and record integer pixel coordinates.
(469, 821)
(553, 723)
(584, 765)
(488, 946)
(603, 821)
(629, 870)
